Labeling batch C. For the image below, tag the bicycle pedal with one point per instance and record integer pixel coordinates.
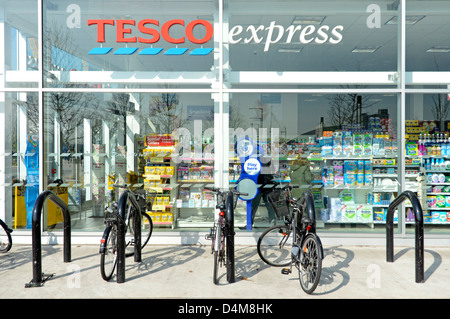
(286, 271)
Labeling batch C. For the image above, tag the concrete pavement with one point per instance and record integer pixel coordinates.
(185, 271)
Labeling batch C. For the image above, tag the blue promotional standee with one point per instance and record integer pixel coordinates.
(248, 153)
(32, 166)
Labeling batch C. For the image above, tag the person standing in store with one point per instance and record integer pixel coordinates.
(300, 175)
(265, 178)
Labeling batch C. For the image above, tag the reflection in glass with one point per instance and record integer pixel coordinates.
(342, 147)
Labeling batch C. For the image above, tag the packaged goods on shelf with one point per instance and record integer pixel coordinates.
(379, 215)
(157, 172)
(347, 196)
(438, 201)
(348, 213)
(364, 213)
(182, 173)
(337, 144)
(335, 209)
(184, 193)
(409, 215)
(163, 218)
(347, 144)
(195, 199)
(439, 217)
(427, 217)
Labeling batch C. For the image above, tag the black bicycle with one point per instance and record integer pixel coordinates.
(5, 237)
(222, 247)
(108, 243)
(295, 243)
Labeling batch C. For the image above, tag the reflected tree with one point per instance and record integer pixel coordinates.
(166, 113)
(121, 105)
(439, 109)
(347, 108)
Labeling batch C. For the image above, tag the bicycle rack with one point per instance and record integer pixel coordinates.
(230, 236)
(419, 245)
(37, 280)
(121, 234)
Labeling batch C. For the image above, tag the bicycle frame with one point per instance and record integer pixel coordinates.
(225, 228)
(229, 226)
(306, 252)
(220, 224)
(7, 229)
(305, 203)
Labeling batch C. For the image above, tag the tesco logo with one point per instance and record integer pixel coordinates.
(148, 33)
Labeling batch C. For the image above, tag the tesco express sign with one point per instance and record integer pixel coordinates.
(149, 31)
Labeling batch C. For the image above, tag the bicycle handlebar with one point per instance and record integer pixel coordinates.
(121, 185)
(128, 188)
(219, 191)
(290, 186)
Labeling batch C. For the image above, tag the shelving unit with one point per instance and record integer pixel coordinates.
(437, 191)
(358, 189)
(159, 179)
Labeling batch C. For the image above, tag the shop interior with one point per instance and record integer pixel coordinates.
(168, 141)
(354, 167)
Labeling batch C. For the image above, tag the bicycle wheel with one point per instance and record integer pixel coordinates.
(5, 239)
(310, 265)
(146, 232)
(108, 257)
(219, 252)
(274, 246)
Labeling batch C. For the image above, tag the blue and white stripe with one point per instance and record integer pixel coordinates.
(150, 51)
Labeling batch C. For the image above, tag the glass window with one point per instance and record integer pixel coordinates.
(341, 147)
(20, 40)
(312, 36)
(161, 142)
(427, 45)
(428, 148)
(19, 157)
(143, 43)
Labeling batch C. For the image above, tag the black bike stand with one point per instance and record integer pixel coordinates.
(33, 284)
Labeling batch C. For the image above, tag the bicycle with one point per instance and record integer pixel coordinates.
(5, 237)
(108, 243)
(305, 252)
(223, 229)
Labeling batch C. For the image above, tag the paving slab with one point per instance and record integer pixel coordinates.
(185, 272)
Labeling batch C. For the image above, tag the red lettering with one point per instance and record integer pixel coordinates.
(121, 31)
(100, 28)
(165, 31)
(154, 33)
(209, 31)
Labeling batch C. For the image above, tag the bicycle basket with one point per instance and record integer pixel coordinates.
(142, 202)
(280, 205)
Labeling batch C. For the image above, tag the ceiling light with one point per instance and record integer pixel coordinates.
(369, 49)
(289, 50)
(439, 49)
(408, 19)
(308, 19)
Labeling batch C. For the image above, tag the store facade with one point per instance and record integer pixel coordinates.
(158, 93)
